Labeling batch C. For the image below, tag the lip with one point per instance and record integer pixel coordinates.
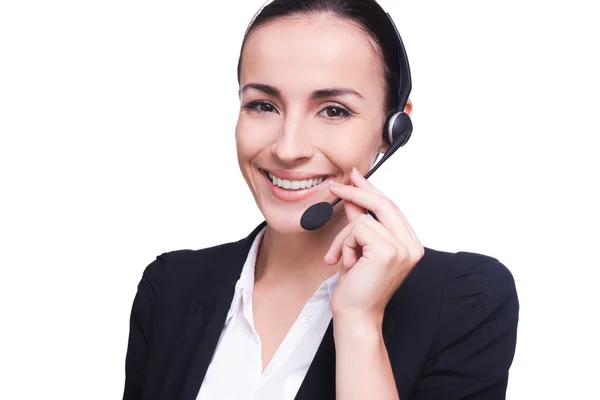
(294, 175)
(294, 195)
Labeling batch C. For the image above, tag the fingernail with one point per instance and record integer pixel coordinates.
(356, 171)
(334, 183)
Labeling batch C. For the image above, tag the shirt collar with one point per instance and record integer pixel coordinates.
(245, 284)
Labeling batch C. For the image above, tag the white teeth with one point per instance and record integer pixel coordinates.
(295, 185)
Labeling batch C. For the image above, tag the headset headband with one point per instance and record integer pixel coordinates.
(405, 81)
(266, 3)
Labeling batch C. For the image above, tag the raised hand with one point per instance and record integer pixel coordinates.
(377, 255)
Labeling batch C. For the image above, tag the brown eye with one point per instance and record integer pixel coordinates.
(336, 112)
(260, 107)
(265, 107)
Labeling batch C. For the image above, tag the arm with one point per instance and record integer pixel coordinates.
(476, 336)
(376, 256)
(140, 337)
(363, 369)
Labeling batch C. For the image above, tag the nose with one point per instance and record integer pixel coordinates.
(293, 143)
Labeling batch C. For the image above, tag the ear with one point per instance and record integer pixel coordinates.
(374, 158)
(409, 107)
(376, 155)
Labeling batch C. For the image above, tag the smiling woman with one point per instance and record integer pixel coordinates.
(357, 309)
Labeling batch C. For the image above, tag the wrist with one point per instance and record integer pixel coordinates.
(359, 326)
(358, 317)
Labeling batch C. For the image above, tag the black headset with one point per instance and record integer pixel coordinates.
(396, 132)
(398, 126)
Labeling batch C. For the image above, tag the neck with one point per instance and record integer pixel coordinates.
(298, 257)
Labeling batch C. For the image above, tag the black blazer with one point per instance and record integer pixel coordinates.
(450, 329)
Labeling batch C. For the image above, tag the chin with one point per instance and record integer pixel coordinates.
(283, 221)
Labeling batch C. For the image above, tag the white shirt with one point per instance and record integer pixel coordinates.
(235, 370)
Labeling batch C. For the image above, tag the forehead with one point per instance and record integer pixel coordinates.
(305, 53)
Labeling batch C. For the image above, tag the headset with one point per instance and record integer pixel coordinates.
(397, 130)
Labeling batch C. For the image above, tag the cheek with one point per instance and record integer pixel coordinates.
(250, 138)
(355, 148)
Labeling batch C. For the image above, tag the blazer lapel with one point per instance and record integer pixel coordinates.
(213, 317)
(204, 320)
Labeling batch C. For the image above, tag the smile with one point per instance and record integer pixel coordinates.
(294, 184)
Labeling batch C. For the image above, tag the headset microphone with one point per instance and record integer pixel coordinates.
(397, 130)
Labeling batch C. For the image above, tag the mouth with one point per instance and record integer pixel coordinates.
(295, 184)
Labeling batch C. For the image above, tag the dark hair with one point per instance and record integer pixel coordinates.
(366, 14)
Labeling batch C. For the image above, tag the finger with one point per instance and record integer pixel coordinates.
(333, 254)
(335, 249)
(358, 179)
(388, 213)
(353, 211)
(350, 254)
(364, 239)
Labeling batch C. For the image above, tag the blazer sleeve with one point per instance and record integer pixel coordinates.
(140, 330)
(476, 337)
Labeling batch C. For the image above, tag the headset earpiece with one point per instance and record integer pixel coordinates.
(397, 129)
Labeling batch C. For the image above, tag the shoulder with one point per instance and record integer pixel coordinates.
(465, 308)
(462, 275)
(184, 263)
(479, 295)
(457, 295)
(183, 270)
(477, 315)
(178, 274)
(475, 284)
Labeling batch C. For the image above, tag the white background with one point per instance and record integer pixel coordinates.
(117, 144)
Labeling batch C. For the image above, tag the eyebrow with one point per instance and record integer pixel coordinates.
(315, 95)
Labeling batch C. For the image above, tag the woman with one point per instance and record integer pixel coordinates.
(357, 309)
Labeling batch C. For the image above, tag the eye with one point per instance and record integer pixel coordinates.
(336, 111)
(259, 107)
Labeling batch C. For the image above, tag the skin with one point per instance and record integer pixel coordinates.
(291, 130)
